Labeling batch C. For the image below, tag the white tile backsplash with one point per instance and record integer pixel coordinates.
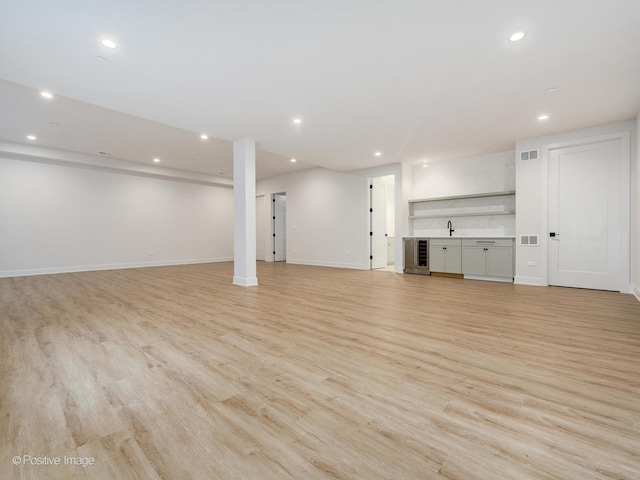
(493, 172)
(467, 176)
(485, 226)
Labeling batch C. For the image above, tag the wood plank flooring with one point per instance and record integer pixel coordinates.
(317, 373)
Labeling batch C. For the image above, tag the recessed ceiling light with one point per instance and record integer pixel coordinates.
(156, 160)
(31, 137)
(293, 160)
(425, 165)
(551, 89)
(297, 121)
(543, 117)
(516, 36)
(106, 42)
(377, 154)
(46, 94)
(204, 136)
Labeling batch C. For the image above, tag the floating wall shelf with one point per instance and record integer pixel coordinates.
(462, 197)
(468, 208)
(474, 214)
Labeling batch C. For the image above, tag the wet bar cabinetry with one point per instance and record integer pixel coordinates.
(445, 255)
(490, 258)
(487, 257)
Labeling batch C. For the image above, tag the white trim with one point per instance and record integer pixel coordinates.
(489, 279)
(245, 282)
(544, 217)
(314, 263)
(636, 292)
(533, 281)
(113, 266)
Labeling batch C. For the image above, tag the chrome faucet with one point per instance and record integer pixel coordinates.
(450, 227)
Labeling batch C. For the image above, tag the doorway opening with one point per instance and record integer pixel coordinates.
(279, 218)
(382, 222)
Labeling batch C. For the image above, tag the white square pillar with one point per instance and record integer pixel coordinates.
(244, 212)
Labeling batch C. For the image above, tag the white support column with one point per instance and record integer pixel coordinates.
(244, 212)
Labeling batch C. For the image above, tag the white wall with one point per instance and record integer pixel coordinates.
(61, 217)
(532, 198)
(326, 217)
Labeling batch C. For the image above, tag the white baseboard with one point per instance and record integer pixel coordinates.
(489, 279)
(535, 281)
(314, 263)
(636, 292)
(115, 266)
(245, 281)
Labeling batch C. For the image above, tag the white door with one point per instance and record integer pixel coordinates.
(378, 224)
(261, 227)
(280, 227)
(585, 210)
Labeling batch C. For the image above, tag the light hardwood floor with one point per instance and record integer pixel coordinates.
(317, 373)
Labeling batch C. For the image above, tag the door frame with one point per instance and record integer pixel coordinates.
(625, 201)
(372, 213)
(272, 232)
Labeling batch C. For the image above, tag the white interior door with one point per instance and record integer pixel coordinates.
(378, 224)
(585, 228)
(261, 227)
(280, 227)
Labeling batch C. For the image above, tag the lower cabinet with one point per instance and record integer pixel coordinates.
(483, 257)
(445, 255)
(487, 257)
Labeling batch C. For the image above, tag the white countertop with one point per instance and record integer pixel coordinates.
(460, 237)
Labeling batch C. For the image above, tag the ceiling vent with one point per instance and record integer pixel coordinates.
(529, 240)
(530, 155)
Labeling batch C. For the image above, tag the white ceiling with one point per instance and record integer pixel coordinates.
(417, 80)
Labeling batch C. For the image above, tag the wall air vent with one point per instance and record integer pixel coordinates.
(529, 240)
(529, 155)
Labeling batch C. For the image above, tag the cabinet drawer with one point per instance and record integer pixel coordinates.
(444, 242)
(487, 242)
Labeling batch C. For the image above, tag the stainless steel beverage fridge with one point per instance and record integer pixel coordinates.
(416, 255)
